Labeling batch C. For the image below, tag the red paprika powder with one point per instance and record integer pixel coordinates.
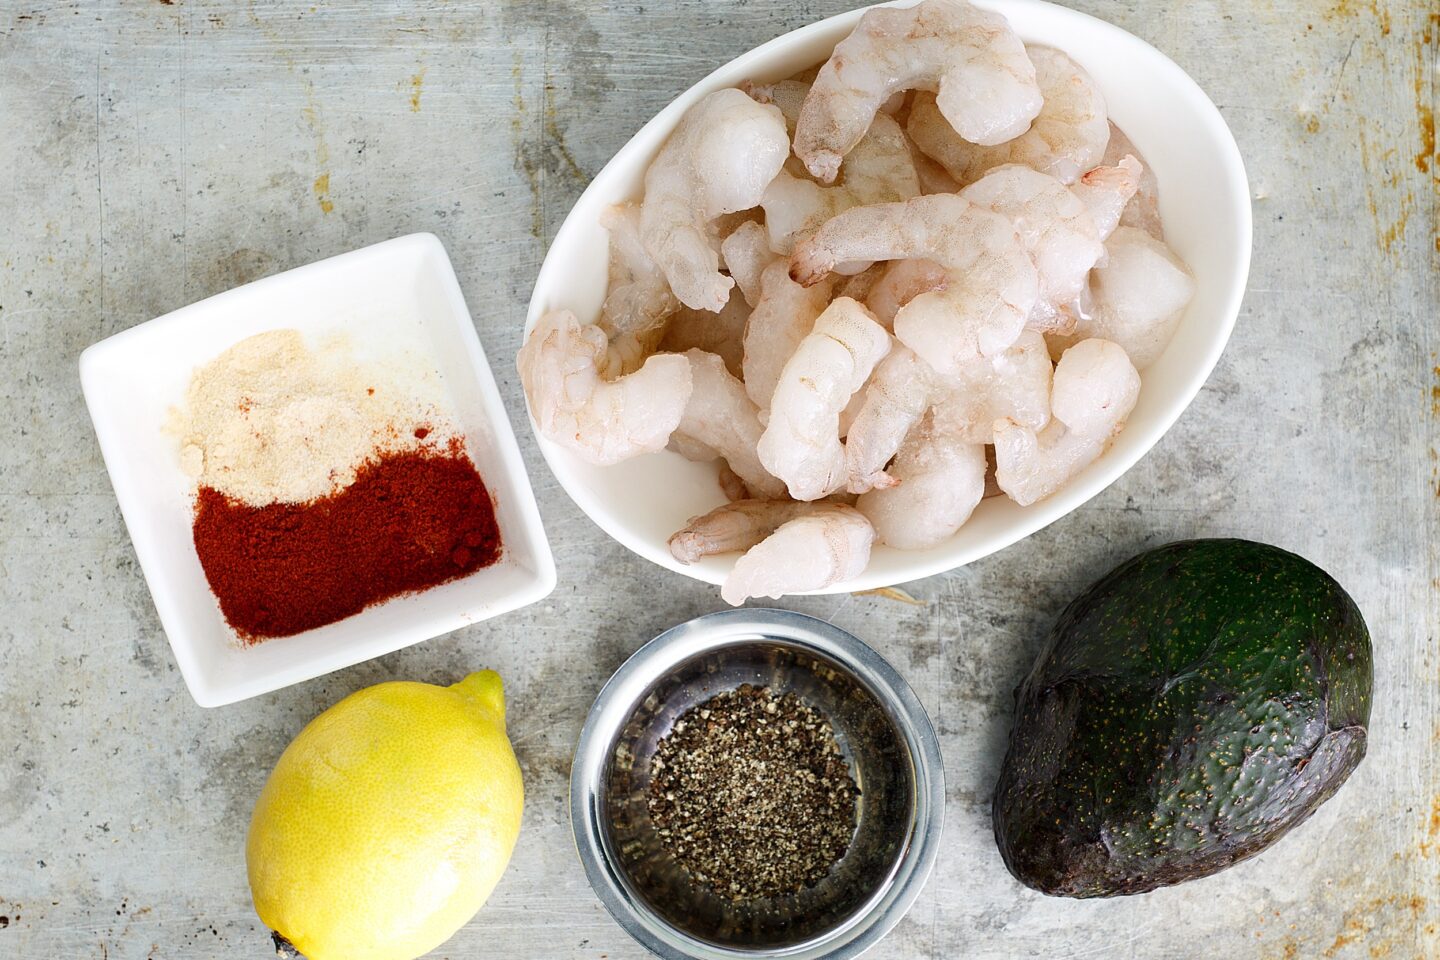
(411, 520)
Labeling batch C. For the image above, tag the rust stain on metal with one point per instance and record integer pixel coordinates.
(1356, 9)
(1390, 209)
(1361, 921)
(311, 110)
(1423, 109)
(322, 192)
(1429, 844)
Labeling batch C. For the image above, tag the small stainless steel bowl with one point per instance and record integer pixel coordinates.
(882, 731)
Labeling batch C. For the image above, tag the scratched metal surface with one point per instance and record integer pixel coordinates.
(154, 153)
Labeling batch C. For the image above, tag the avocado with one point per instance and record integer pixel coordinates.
(1187, 711)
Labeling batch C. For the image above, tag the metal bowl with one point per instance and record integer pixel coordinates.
(883, 733)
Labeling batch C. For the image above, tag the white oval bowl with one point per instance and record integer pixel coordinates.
(1204, 200)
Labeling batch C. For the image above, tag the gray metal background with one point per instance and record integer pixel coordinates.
(155, 152)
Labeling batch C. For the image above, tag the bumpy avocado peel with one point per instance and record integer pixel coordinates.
(1188, 710)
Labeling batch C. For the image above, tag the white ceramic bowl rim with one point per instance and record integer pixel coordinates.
(1218, 249)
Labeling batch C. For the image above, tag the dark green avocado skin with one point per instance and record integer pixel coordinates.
(1187, 711)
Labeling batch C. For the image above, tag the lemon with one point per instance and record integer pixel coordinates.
(388, 821)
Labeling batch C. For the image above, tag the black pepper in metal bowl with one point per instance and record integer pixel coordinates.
(750, 794)
(862, 862)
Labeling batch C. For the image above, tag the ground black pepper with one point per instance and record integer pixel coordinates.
(751, 796)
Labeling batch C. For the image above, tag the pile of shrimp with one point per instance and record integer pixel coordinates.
(874, 294)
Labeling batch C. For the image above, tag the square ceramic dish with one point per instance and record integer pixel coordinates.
(400, 295)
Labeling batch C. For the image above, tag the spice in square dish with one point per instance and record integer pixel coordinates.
(323, 487)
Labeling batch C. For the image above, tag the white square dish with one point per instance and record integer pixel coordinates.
(400, 294)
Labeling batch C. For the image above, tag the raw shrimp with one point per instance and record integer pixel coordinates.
(933, 177)
(747, 253)
(827, 544)
(733, 527)
(881, 169)
(1067, 138)
(1138, 296)
(801, 443)
(1143, 210)
(902, 388)
(725, 151)
(625, 354)
(878, 170)
(730, 483)
(601, 422)
(858, 286)
(1095, 389)
(691, 449)
(985, 82)
(722, 334)
(1056, 226)
(722, 417)
(990, 286)
(941, 480)
(787, 95)
(853, 408)
(1014, 385)
(1105, 191)
(639, 298)
(785, 314)
(902, 281)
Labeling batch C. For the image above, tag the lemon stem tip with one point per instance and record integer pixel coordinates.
(485, 688)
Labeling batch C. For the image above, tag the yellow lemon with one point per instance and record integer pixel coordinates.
(387, 822)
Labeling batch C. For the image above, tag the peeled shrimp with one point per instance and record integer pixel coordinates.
(1138, 296)
(826, 544)
(1143, 210)
(639, 298)
(933, 177)
(902, 388)
(692, 449)
(878, 170)
(602, 422)
(720, 416)
(733, 527)
(725, 151)
(801, 443)
(1013, 385)
(990, 286)
(858, 286)
(1057, 227)
(730, 483)
(1067, 138)
(788, 96)
(941, 480)
(902, 281)
(985, 82)
(881, 169)
(722, 334)
(851, 413)
(1106, 191)
(784, 316)
(747, 253)
(1095, 389)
